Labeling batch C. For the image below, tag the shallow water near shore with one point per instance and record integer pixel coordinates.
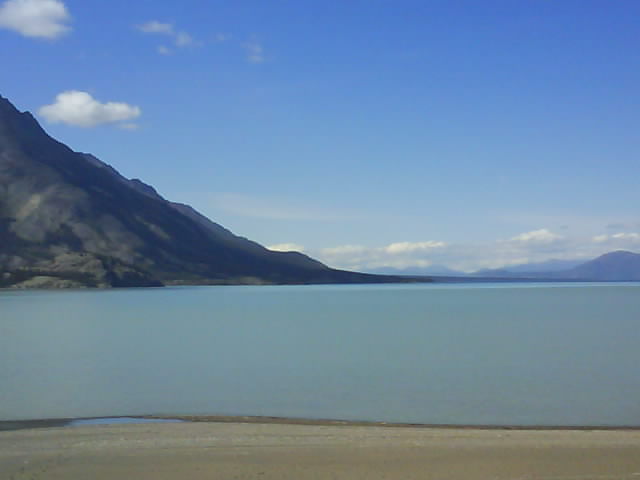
(503, 354)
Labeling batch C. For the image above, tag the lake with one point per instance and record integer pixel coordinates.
(526, 354)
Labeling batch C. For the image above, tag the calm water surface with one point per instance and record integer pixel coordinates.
(464, 354)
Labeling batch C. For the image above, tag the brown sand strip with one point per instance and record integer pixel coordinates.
(366, 423)
(193, 451)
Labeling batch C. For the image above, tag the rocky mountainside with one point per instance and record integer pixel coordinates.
(69, 220)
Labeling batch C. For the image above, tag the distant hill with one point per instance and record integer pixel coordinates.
(69, 220)
(614, 266)
(529, 269)
(611, 267)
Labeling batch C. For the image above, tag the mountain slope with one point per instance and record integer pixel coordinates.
(68, 219)
(530, 269)
(618, 266)
(613, 266)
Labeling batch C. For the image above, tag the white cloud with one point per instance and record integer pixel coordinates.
(35, 18)
(537, 236)
(635, 237)
(81, 110)
(156, 27)
(530, 247)
(183, 39)
(619, 240)
(409, 247)
(399, 255)
(255, 51)
(180, 38)
(286, 247)
(222, 37)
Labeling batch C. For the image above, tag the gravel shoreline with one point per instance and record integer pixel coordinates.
(7, 425)
(203, 450)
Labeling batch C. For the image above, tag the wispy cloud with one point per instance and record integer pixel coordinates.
(253, 48)
(183, 39)
(527, 247)
(222, 37)
(619, 240)
(568, 220)
(286, 247)
(397, 254)
(271, 208)
(179, 38)
(255, 51)
(128, 126)
(80, 109)
(35, 18)
(402, 248)
(154, 26)
(542, 236)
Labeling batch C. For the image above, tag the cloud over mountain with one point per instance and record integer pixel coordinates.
(528, 247)
(397, 254)
(80, 109)
(286, 247)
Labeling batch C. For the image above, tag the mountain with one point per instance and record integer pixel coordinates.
(68, 220)
(552, 265)
(613, 266)
(525, 270)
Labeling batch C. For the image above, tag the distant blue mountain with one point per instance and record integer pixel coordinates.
(430, 270)
(525, 269)
(611, 267)
(615, 266)
(547, 266)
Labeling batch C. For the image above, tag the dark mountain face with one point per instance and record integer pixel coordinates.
(68, 219)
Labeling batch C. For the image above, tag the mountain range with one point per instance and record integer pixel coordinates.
(615, 266)
(618, 266)
(69, 220)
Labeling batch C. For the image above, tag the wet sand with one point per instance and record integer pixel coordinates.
(217, 450)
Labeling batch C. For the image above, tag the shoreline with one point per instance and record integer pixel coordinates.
(274, 451)
(11, 425)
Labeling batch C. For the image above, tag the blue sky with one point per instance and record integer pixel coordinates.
(365, 133)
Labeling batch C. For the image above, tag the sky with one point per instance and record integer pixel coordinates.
(367, 134)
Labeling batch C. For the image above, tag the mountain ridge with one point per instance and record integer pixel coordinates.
(615, 266)
(67, 219)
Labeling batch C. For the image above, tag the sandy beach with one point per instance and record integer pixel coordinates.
(214, 450)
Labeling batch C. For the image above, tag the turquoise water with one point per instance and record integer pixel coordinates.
(531, 354)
